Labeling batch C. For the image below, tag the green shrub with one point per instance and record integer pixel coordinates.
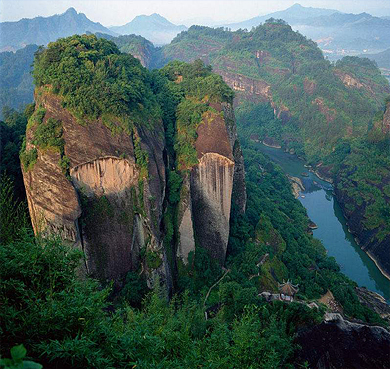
(64, 164)
(153, 259)
(29, 158)
(18, 353)
(49, 135)
(141, 157)
(95, 79)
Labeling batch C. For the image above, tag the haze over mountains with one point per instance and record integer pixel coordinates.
(41, 31)
(292, 15)
(153, 27)
(336, 33)
(382, 58)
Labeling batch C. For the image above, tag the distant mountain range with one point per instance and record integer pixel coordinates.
(16, 82)
(293, 15)
(337, 33)
(41, 31)
(355, 33)
(382, 58)
(155, 28)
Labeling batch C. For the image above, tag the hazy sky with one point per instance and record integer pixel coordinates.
(118, 12)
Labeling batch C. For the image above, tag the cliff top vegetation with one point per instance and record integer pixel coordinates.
(95, 78)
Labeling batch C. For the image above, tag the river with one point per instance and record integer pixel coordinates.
(323, 209)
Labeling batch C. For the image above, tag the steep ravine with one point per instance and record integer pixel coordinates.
(324, 209)
(378, 251)
(374, 239)
(318, 105)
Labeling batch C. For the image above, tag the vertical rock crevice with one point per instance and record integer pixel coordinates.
(102, 206)
(207, 191)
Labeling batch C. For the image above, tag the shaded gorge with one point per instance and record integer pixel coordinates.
(324, 210)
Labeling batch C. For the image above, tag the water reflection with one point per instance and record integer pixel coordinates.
(332, 230)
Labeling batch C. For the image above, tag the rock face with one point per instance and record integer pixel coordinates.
(338, 343)
(206, 197)
(296, 185)
(105, 206)
(52, 199)
(110, 207)
(378, 248)
(348, 80)
(385, 123)
(254, 90)
(379, 251)
(251, 88)
(374, 301)
(211, 192)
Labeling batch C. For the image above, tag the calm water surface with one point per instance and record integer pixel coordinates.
(323, 209)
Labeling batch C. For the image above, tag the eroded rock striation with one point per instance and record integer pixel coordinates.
(210, 187)
(131, 178)
(105, 205)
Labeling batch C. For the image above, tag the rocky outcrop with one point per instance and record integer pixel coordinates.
(110, 206)
(363, 80)
(186, 225)
(271, 142)
(338, 343)
(254, 90)
(386, 119)
(384, 124)
(106, 205)
(329, 113)
(52, 199)
(263, 56)
(211, 192)
(296, 185)
(323, 172)
(374, 302)
(250, 89)
(309, 86)
(347, 79)
(206, 195)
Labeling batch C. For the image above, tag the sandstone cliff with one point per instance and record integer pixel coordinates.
(108, 147)
(210, 186)
(106, 205)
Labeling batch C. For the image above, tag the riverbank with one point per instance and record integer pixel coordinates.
(377, 265)
(296, 184)
(323, 174)
(324, 210)
(274, 146)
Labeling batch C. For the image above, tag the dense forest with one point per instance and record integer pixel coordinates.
(66, 321)
(16, 83)
(330, 113)
(302, 84)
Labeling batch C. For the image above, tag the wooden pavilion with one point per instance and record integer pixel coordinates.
(287, 290)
